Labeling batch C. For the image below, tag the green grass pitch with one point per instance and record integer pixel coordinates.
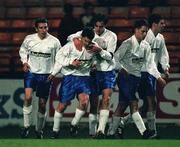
(87, 143)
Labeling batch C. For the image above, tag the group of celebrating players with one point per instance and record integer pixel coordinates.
(91, 65)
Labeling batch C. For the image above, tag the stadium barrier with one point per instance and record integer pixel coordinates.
(12, 93)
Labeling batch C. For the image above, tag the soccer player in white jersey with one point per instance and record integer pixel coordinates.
(105, 70)
(104, 79)
(74, 59)
(147, 88)
(159, 54)
(37, 54)
(131, 56)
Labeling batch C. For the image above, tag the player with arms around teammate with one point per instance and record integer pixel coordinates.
(74, 59)
(159, 54)
(105, 70)
(131, 56)
(37, 54)
(104, 76)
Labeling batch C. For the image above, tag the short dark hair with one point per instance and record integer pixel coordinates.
(40, 20)
(88, 32)
(154, 18)
(100, 17)
(139, 23)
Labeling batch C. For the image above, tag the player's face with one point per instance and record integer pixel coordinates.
(42, 30)
(161, 25)
(99, 27)
(86, 42)
(140, 33)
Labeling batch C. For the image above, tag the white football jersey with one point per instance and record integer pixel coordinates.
(67, 54)
(39, 53)
(106, 61)
(132, 56)
(159, 51)
(107, 41)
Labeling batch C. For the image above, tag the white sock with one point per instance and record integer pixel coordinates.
(57, 119)
(103, 119)
(78, 115)
(139, 122)
(151, 120)
(92, 124)
(41, 120)
(114, 125)
(126, 120)
(27, 110)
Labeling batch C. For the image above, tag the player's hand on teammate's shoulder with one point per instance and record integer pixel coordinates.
(26, 67)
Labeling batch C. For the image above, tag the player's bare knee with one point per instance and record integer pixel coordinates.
(84, 102)
(84, 105)
(105, 102)
(61, 107)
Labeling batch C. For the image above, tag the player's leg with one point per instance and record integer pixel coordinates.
(139, 121)
(151, 111)
(142, 92)
(133, 82)
(115, 130)
(27, 106)
(42, 91)
(58, 115)
(125, 120)
(93, 99)
(66, 94)
(80, 111)
(147, 91)
(41, 118)
(93, 115)
(106, 82)
(83, 90)
(27, 111)
(104, 112)
(124, 94)
(137, 117)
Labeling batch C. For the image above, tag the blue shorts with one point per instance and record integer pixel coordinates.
(72, 85)
(39, 83)
(128, 86)
(147, 85)
(105, 80)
